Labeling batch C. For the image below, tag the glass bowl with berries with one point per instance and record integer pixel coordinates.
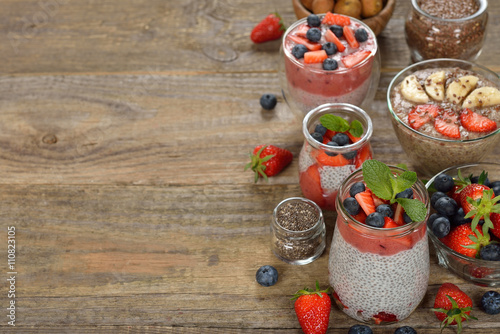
(465, 221)
(445, 112)
(336, 143)
(328, 58)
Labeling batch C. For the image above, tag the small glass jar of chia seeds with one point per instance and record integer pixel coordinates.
(446, 29)
(298, 231)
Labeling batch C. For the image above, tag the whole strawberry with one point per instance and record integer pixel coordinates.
(452, 306)
(268, 29)
(466, 241)
(268, 160)
(313, 310)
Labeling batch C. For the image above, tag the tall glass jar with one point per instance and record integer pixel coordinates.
(323, 167)
(445, 35)
(298, 231)
(379, 275)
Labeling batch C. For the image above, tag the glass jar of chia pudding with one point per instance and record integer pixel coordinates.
(353, 78)
(379, 275)
(446, 29)
(323, 167)
(298, 231)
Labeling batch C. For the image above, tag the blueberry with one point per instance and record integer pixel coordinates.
(267, 275)
(333, 144)
(337, 30)
(357, 187)
(490, 252)
(330, 48)
(313, 20)
(490, 302)
(440, 227)
(385, 210)
(408, 193)
(406, 218)
(341, 138)
(360, 329)
(330, 64)
(496, 187)
(437, 195)
(361, 35)
(475, 179)
(459, 218)
(443, 183)
(313, 34)
(350, 155)
(298, 51)
(351, 206)
(405, 330)
(432, 218)
(446, 206)
(320, 129)
(317, 136)
(375, 219)
(268, 101)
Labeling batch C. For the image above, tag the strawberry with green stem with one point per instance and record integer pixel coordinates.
(313, 309)
(452, 306)
(268, 160)
(270, 28)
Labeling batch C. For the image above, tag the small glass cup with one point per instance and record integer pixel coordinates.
(431, 37)
(306, 86)
(319, 179)
(296, 246)
(379, 275)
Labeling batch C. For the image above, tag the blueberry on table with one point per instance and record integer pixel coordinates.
(361, 35)
(440, 227)
(490, 252)
(330, 64)
(357, 187)
(444, 183)
(299, 50)
(352, 206)
(490, 302)
(313, 20)
(385, 210)
(313, 34)
(375, 219)
(266, 275)
(360, 329)
(446, 206)
(337, 30)
(268, 101)
(405, 330)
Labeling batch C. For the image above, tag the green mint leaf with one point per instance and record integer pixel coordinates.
(334, 123)
(404, 181)
(356, 128)
(414, 208)
(378, 177)
(402, 166)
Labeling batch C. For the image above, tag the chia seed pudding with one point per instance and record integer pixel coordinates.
(446, 29)
(298, 231)
(431, 102)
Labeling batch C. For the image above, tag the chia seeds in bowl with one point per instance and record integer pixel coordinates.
(446, 29)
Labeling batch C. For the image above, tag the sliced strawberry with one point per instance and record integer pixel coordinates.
(330, 133)
(364, 153)
(390, 223)
(326, 160)
(422, 114)
(310, 183)
(314, 57)
(365, 200)
(309, 45)
(378, 201)
(336, 19)
(302, 31)
(446, 124)
(330, 37)
(355, 58)
(360, 217)
(398, 214)
(352, 138)
(349, 36)
(475, 122)
(384, 317)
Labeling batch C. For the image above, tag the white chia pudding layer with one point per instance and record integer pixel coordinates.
(368, 284)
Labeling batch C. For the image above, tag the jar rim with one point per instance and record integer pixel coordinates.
(483, 5)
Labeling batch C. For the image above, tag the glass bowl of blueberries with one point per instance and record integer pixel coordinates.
(464, 225)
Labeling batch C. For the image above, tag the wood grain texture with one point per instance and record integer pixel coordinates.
(124, 129)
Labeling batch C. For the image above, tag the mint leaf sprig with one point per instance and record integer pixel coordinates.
(383, 183)
(338, 124)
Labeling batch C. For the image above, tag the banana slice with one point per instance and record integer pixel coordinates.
(412, 90)
(482, 97)
(434, 85)
(459, 89)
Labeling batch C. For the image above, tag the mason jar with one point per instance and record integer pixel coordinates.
(379, 275)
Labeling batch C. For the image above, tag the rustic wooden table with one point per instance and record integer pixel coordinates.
(124, 129)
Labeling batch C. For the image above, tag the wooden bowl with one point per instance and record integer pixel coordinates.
(377, 23)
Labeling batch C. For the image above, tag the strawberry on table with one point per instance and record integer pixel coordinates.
(268, 160)
(452, 306)
(475, 122)
(270, 28)
(313, 310)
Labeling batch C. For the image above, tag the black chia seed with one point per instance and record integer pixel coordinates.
(449, 9)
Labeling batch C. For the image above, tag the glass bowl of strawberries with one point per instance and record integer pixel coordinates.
(464, 226)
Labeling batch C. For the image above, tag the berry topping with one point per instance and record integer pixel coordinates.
(270, 28)
(464, 240)
(385, 210)
(302, 40)
(437, 195)
(337, 30)
(313, 57)
(320, 128)
(422, 114)
(361, 35)
(475, 122)
(365, 200)
(317, 136)
(444, 183)
(299, 50)
(351, 206)
(355, 58)
(357, 188)
(330, 37)
(390, 223)
(330, 48)
(490, 302)
(349, 36)
(341, 139)
(268, 101)
(313, 20)
(313, 34)
(360, 329)
(446, 124)
(266, 275)
(407, 193)
(375, 219)
(336, 19)
(330, 64)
